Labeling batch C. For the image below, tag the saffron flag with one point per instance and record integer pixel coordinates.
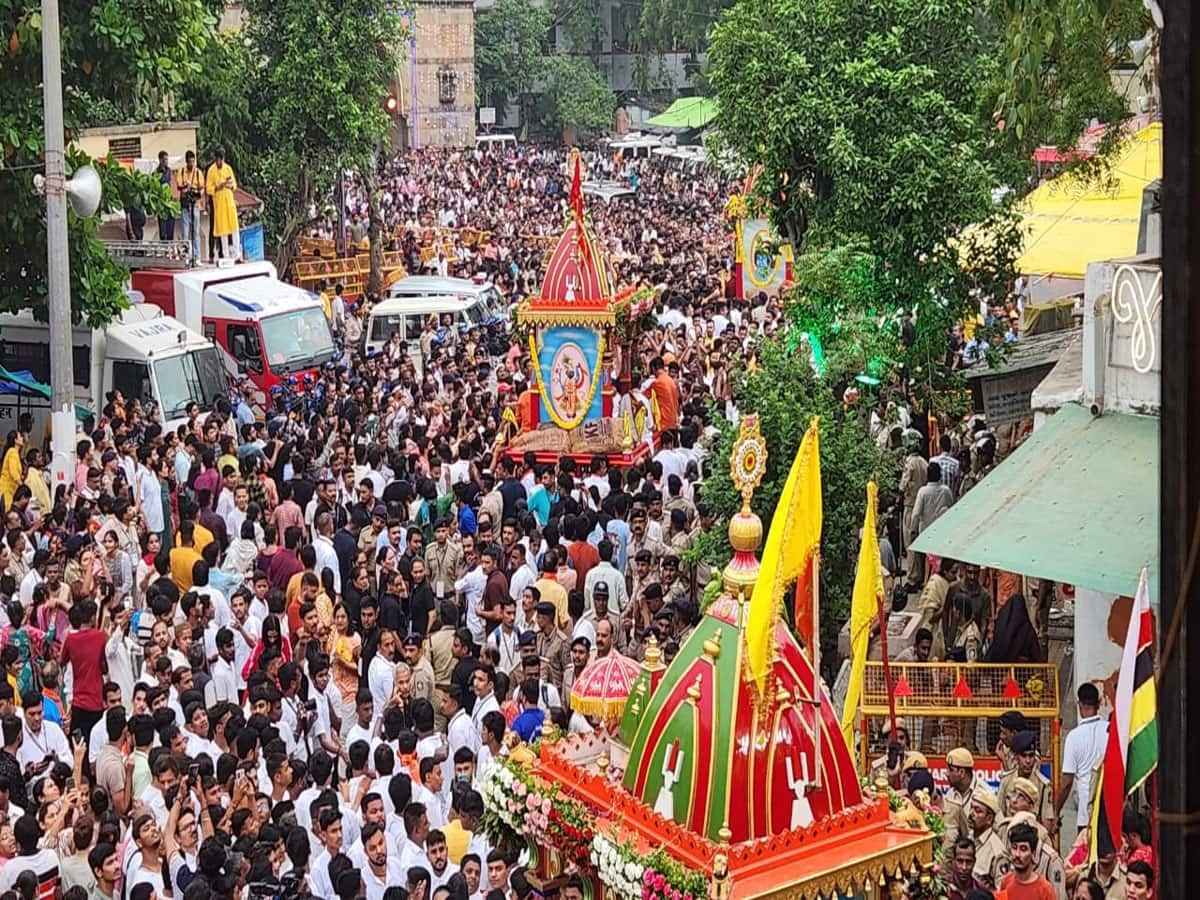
(1132, 751)
(792, 545)
(864, 609)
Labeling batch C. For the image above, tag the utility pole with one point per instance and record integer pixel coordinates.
(58, 273)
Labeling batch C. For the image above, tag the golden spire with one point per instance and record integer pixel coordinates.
(747, 465)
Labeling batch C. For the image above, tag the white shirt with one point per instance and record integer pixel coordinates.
(381, 676)
(31, 580)
(522, 578)
(483, 706)
(327, 559)
(152, 799)
(242, 649)
(436, 880)
(196, 744)
(433, 805)
(35, 748)
(151, 496)
(410, 855)
(1083, 748)
(223, 686)
(221, 612)
(471, 587)
(394, 875)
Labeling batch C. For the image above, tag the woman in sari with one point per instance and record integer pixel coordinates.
(344, 648)
(29, 641)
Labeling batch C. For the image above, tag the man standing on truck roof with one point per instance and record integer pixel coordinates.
(189, 182)
(166, 224)
(220, 185)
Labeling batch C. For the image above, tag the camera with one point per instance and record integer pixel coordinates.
(309, 707)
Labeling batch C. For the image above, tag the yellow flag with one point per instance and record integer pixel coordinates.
(864, 609)
(794, 538)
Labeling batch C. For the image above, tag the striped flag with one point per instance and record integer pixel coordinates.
(1132, 752)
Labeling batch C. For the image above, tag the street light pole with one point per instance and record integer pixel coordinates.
(58, 273)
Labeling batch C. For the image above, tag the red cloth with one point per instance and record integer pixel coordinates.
(84, 650)
(583, 558)
(1036, 890)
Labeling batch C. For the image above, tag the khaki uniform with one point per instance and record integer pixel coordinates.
(991, 857)
(1043, 807)
(555, 655)
(933, 611)
(689, 508)
(955, 806)
(442, 565)
(1114, 887)
(423, 681)
(441, 658)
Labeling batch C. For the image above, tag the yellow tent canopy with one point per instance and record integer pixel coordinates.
(1070, 222)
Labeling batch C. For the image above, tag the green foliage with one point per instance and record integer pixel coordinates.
(863, 116)
(120, 58)
(510, 42)
(576, 95)
(786, 394)
(1054, 68)
(679, 24)
(297, 98)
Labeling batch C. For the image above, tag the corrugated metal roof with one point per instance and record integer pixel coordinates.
(1077, 503)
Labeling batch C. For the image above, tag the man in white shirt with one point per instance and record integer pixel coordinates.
(382, 870)
(1083, 748)
(471, 586)
(483, 683)
(605, 571)
(323, 546)
(440, 867)
(246, 632)
(221, 616)
(166, 774)
(504, 636)
(222, 687)
(381, 673)
(99, 733)
(329, 831)
(416, 828)
(523, 575)
(43, 743)
(460, 732)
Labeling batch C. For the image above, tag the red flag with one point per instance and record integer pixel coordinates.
(575, 198)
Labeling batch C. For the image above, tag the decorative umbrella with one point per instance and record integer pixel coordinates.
(603, 686)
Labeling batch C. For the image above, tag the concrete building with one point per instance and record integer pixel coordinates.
(143, 140)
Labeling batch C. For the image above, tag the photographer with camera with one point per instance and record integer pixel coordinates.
(189, 184)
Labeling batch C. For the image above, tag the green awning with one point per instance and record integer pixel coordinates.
(31, 386)
(1076, 503)
(686, 112)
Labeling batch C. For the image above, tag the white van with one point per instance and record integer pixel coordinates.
(498, 141)
(458, 288)
(407, 316)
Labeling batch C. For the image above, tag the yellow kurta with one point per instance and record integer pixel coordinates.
(224, 212)
(10, 475)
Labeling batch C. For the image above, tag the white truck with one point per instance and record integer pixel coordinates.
(266, 328)
(144, 354)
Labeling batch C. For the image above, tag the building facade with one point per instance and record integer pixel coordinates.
(436, 83)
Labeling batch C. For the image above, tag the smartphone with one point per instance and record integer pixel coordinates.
(193, 770)
(70, 782)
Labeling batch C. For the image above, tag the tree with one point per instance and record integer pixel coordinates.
(863, 117)
(576, 94)
(1054, 64)
(679, 24)
(510, 43)
(123, 57)
(786, 395)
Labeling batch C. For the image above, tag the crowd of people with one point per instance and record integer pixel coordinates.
(250, 652)
(255, 657)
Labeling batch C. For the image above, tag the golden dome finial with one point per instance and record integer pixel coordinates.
(748, 462)
(653, 655)
(712, 646)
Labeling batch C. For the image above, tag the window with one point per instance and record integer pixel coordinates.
(383, 326)
(132, 379)
(297, 340)
(34, 357)
(248, 335)
(447, 84)
(415, 323)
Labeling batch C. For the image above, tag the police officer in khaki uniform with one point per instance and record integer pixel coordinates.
(552, 647)
(960, 773)
(1024, 747)
(423, 681)
(1046, 861)
(991, 853)
(444, 563)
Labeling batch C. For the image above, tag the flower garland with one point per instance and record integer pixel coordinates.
(541, 385)
(520, 806)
